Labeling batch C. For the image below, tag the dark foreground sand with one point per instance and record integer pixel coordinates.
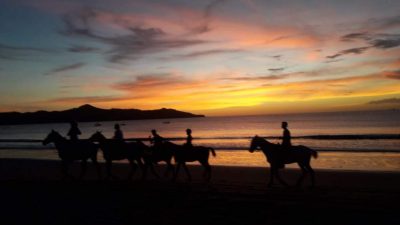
(32, 193)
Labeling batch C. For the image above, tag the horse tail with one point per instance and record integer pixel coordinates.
(213, 152)
(314, 153)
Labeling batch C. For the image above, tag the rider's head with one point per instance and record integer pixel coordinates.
(154, 132)
(116, 126)
(188, 131)
(73, 123)
(284, 124)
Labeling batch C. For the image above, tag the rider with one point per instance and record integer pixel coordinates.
(189, 138)
(74, 131)
(156, 140)
(118, 135)
(286, 139)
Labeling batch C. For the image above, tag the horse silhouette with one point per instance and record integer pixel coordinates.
(277, 156)
(163, 152)
(185, 154)
(70, 151)
(114, 149)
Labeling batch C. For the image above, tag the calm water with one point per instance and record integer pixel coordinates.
(234, 133)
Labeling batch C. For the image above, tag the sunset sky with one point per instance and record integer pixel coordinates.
(235, 57)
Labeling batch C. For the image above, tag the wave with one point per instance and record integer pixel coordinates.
(218, 148)
(318, 137)
(333, 143)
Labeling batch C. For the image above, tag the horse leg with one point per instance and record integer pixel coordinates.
(144, 170)
(271, 176)
(133, 169)
(83, 168)
(167, 170)
(312, 173)
(303, 174)
(178, 166)
(153, 171)
(189, 176)
(98, 168)
(170, 167)
(279, 178)
(64, 169)
(108, 168)
(207, 170)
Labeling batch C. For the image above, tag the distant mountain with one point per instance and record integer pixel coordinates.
(89, 113)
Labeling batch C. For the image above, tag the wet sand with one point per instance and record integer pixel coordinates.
(31, 192)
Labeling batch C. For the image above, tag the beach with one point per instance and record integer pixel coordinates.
(32, 192)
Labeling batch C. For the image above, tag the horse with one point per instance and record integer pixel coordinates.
(70, 151)
(201, 154)
(277, 156)
(117, 150)
(162, 152)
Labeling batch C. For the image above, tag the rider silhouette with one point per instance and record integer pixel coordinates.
(286, 138)
(74, 131)
(156, 140)
(118, 135)
(189, 138)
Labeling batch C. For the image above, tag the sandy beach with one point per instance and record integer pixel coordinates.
(32, 192)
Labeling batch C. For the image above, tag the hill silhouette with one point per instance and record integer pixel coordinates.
(89, 113)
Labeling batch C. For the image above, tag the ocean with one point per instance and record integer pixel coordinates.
(348, 140)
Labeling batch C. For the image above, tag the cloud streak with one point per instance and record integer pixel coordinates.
(69, 67)
(135, 42)
(355, 51)
(385, 101)
(209, 52)
(10, 52)
(82, 49)
(392, 74)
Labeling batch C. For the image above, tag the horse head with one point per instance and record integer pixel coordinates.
(53, 136)
(98, 136)
(256, 143)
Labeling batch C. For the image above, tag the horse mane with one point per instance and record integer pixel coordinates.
(58, 135)
(258, 138)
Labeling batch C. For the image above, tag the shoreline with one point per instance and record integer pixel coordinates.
(340, 161)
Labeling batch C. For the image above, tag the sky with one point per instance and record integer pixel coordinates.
(218, 57)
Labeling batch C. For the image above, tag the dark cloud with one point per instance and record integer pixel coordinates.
(392, 74)
(385, 101)
(207, 18)
(82, 49)
(386, 43)
(348, 51)
(355, 36)
(9, 52)
(379, 40)
(66, 68)
(277, 57)
(266, 77)
(206, 53)
(383, 23)
(275, 70)
(333, 61)
(138, 41)
(148, 81)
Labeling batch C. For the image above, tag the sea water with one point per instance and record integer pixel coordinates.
(349, 140)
